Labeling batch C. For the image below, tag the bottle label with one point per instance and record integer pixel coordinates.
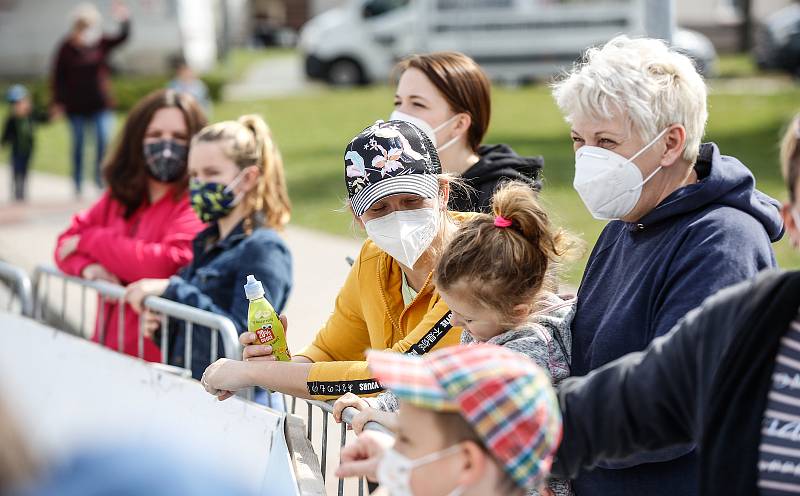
(265, 334)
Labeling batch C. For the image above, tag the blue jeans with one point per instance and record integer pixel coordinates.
(19, 174)
(102, 122)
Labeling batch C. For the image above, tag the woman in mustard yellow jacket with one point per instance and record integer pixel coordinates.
(397, 192)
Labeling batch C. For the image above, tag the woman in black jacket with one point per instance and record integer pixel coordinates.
(448, 95)
(727, 378)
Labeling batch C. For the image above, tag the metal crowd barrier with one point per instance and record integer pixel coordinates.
(108, 292)
(19, 285)
(192, 316)
(327, 423)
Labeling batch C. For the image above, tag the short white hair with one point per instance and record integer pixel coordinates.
(651, 85)
(86, 13)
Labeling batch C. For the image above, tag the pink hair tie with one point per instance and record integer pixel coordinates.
(501, 221)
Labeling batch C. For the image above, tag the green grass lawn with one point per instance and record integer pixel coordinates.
(312, 131)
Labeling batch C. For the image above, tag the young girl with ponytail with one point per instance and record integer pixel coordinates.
(497, 277)
(237, 186)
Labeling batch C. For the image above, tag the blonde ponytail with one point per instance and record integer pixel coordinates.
(271, 197)
(248, 142)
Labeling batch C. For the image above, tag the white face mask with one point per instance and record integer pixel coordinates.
(405, 234)
(608, 183)
(394, 470)
(430, 131)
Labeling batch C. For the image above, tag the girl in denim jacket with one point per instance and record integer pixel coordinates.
(237, 186)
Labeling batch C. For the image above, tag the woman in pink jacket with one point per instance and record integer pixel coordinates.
(143, 226)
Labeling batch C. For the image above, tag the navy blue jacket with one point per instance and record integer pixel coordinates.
(214, 282)
(643, 277)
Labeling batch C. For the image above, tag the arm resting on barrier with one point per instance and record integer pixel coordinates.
(226, 375)
(133, 259)
(74, 263)
(330, 379)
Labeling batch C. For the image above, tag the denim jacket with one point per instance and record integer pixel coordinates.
(214, 282)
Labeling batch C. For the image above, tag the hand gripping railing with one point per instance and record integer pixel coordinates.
(108, 292)
(326, 410)
(19, 284)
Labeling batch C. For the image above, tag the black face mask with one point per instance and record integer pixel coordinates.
(166, 159)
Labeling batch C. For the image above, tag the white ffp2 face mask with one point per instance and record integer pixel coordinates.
(394, 470)
(405, 234)
(427, 128)
(608, 183)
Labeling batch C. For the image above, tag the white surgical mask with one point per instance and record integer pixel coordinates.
(427, 128)
(404, 234)
(394, 470)
(608, 183)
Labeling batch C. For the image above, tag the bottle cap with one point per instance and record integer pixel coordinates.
(253, 289)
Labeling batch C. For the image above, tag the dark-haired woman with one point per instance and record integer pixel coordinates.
(143, 225)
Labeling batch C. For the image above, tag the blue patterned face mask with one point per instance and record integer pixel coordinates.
(213, 201)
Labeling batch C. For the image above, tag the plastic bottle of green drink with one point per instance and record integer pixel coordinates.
(264, 322)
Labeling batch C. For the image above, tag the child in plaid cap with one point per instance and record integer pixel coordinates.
(476, 420)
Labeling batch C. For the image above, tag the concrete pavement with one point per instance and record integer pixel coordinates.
(274, 77)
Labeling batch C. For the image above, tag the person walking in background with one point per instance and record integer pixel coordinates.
(238, 186)
(448, 95)
(81, 82)
(143, 226)
(186, 81)
(18, 134)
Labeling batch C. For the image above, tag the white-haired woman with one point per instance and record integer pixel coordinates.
(685, 221)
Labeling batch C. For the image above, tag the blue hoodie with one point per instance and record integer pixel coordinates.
(643, 277)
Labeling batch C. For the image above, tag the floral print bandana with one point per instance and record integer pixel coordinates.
(390, 158)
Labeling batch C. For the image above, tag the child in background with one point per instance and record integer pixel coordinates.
(495, 276)
(185, 81)
(475, 420)
(18, 133)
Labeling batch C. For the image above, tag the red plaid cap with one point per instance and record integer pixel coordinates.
(503, 395)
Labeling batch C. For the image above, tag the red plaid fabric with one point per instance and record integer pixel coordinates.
(504, 396)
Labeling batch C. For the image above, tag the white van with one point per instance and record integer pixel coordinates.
(513, 40)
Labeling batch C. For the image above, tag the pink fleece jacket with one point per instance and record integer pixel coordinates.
(154, 242)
